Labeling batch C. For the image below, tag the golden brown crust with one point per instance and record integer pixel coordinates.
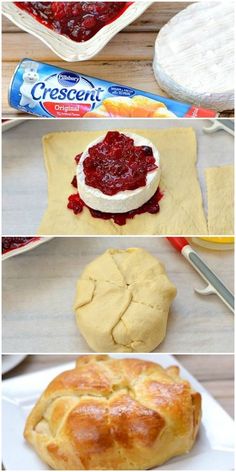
(114, 414)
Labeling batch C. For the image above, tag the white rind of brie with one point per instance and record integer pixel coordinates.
(194, 55)
(123, 201)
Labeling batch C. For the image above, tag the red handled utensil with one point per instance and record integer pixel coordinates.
(214, 284)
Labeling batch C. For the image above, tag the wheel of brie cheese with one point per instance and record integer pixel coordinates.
(194, 55)
(118, 172)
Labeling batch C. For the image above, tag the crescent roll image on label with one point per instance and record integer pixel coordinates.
(48, 91)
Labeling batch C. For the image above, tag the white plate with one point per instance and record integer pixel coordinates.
(213, 449)
(64, 47)
(27, 247)
(9, 362)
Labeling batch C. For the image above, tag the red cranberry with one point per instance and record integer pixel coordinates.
(10, 243)
(97, 8)
(89, 22)
(116, 164)
(79, 21)
(58, 9)
(74, 182)
(147, 150)
(78, 157)
(152, 206)
(75, 203)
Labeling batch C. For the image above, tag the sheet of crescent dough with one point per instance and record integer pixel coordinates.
(181, 208)
(220, 196)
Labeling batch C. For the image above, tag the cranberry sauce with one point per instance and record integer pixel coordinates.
(116, 164)
(15, 242)
(79, 21)
(76, 204)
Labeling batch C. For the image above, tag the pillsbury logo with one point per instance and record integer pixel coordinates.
(68, 79)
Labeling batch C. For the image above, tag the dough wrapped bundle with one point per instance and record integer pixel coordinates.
(122, 301)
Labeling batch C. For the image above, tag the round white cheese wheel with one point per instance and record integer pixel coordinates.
(125, 200)
(194, 55)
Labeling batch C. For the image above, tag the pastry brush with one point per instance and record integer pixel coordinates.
(214, 284)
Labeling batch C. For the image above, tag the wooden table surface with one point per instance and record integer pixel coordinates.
(39, 289)
(215, 372)
(127, 58)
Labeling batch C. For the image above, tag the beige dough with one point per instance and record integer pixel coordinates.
(181, 210)
(220, 190)
(122, 301)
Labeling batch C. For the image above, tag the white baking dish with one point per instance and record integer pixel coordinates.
(8, 124)
(36, 241)
(64, 47)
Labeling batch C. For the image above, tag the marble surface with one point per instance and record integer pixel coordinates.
(39, 289)
(24, 174)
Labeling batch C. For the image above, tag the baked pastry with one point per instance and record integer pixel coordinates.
(114, 414)
(122, 301)
(135, 107)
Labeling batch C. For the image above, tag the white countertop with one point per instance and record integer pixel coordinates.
(24, 175)
(39, 289)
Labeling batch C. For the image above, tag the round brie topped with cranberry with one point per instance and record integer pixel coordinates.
(143, 167)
